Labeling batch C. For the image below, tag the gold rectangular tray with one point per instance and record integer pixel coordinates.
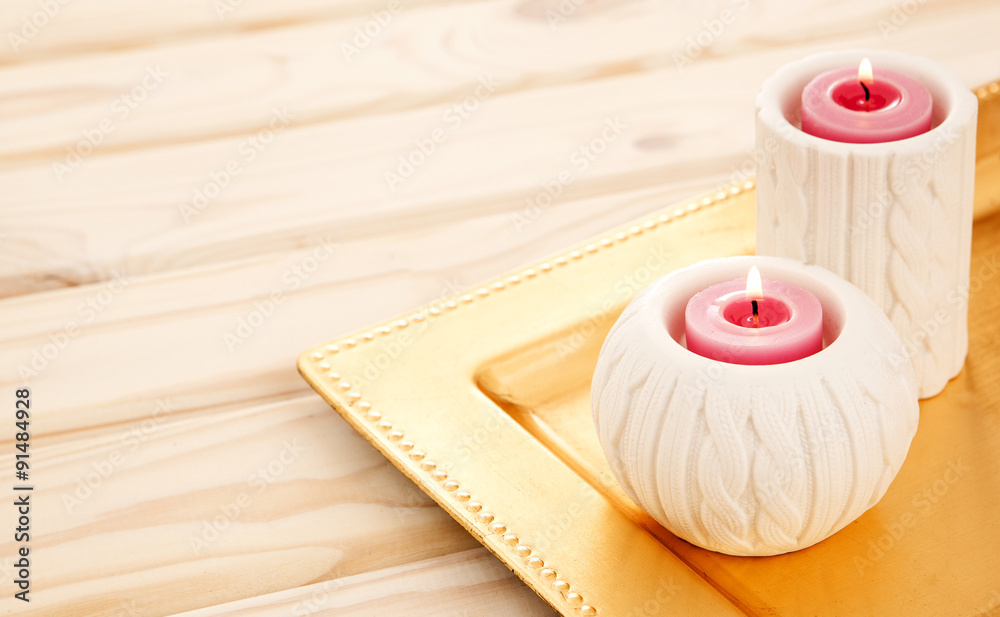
(483, 401)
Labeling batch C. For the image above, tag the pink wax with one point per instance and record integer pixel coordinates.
(835, 106)
(719, 323)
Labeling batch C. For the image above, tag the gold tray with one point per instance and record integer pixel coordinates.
(483, 401)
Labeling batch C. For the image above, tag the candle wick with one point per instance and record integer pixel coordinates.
(756, 314)
(868, 95)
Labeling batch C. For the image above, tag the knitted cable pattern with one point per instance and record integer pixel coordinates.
(751, 470)
(909, 263)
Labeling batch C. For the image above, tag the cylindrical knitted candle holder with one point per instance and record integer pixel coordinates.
(754, 460)
(894, 218)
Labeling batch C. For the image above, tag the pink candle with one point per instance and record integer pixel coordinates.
(857, 107)
(721, 322)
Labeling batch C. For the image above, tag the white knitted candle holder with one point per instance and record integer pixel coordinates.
(894, 218)
(754, 460)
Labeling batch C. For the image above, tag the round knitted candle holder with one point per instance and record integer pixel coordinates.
(894, 218)
(754, 460)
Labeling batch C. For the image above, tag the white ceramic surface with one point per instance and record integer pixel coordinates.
(894, 218)
(754, 460)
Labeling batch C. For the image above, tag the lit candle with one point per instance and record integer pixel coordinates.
(685, 435)
(864, 107)
(894, 218)
(750, 321)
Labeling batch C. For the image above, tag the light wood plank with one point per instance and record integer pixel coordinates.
(467, 583)
(228, 86)
(328, 175)
(39, 30)
(142, 330)
(222, 505)
(336, 511)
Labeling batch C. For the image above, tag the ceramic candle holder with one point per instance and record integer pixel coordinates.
(754, 460)
(894, 218)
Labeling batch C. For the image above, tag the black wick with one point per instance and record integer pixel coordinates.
(756, 315)
(868, 95)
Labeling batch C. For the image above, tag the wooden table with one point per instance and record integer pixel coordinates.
(196, 191)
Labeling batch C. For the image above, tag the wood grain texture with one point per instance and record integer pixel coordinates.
(113, 303)
(460, 585)
(194, 312)
(125, 513)
(325, 172)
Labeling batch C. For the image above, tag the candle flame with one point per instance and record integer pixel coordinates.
(755, 291)
(865, 74)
